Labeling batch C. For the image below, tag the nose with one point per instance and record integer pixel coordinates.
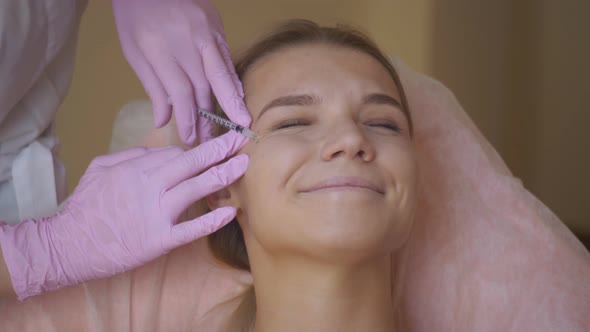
(346, 139)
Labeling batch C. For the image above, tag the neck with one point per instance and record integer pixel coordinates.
(310, 296)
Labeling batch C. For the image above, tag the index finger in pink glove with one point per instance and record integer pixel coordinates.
(121, 156)
(192, 161)
(225, 82)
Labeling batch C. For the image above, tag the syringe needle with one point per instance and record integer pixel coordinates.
(227, 124)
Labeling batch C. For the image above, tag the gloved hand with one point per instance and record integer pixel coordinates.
(178, 51)
(122, 215)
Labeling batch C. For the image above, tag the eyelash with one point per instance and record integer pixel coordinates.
(299, 122)
(387, 125)
(291, 123)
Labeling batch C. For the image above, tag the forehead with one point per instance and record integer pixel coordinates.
(315, 69)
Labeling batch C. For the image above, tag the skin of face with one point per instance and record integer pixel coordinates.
(333, 175)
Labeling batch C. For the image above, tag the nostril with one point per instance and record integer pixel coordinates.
(337, 153)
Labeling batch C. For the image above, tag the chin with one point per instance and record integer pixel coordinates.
(351, 238)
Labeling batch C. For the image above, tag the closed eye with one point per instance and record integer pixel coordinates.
(291, 123)
(390, 125)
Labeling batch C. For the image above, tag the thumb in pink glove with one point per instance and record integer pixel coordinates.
(179, 52)
(122, 215)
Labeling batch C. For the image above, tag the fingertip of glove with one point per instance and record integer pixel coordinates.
(233, 168)
(227, 209)
(189, 137)
(226, 212)
(161, 117)
(241, 160)
(158, 123)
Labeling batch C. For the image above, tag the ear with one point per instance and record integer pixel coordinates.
(221, 198)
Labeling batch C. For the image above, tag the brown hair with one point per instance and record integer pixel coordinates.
(227, 244)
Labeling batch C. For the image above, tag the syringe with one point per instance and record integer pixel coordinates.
(227, 124)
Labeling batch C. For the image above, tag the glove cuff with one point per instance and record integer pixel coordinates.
(30, 257)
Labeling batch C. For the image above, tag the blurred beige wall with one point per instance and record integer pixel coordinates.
(519, 69)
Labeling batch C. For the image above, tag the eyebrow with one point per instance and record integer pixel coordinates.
(382, 99)
(294, 100)
(309, 100)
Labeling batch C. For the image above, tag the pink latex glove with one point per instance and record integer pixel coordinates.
(178, 51)
(122, 215)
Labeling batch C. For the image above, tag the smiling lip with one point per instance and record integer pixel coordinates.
(344, 182)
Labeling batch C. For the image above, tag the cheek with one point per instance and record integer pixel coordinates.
(264, 191)
(272, 164)
(401, 168)
(278, 156)
(398, 159)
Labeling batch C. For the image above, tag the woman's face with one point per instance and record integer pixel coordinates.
(333, 172)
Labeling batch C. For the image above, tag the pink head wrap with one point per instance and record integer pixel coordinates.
(485, 254)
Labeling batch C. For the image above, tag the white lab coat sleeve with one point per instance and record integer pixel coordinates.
(38, 41)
